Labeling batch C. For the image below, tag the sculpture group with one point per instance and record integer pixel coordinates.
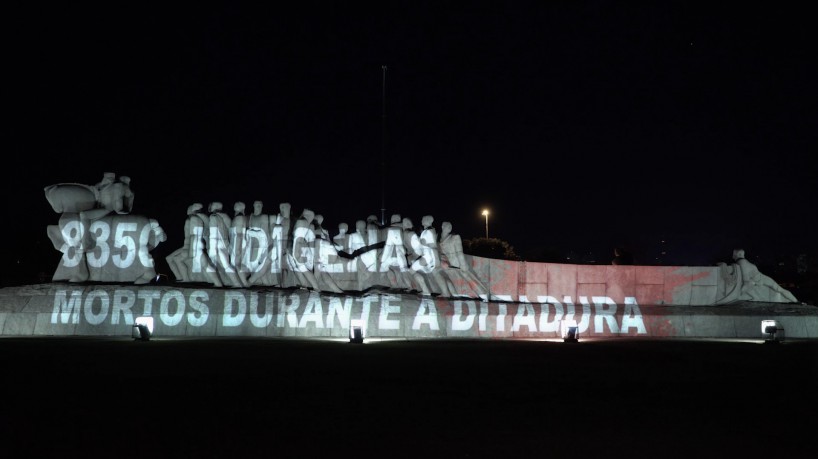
(277, 250)
(99, 239)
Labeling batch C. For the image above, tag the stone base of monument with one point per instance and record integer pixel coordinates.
(64, 309)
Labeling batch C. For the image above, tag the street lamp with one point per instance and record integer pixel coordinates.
(486, 214)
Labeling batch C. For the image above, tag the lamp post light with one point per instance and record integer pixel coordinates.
(486, 214)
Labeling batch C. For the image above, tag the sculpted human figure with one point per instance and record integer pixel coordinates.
(327, 261)
(428, 253)
(756, 286)
(99, 240)
(197, 264)
(451, 248)
(301, 260)
(344, 278)
(411, 243)
(107, 179)
(428, 261)
(176, 260)
(156, 235)
(320, 231)
(340, 239)
(374, 237)
(463, 282)
(98, 200)
(69, 237)
(284, 224)
(393, 258)
(238, 230)
(218, 245)
(363, 263)
(259, 247)
(113, 196)
(372, 253)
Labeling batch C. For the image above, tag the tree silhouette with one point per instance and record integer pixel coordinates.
(497, 249)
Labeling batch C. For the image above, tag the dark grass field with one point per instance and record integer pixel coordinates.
(115, 397)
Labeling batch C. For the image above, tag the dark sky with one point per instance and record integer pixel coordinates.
(580, 125)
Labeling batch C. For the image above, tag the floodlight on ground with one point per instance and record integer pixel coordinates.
(356, 331)
(772, 331)
(143, 328)
(569, 331)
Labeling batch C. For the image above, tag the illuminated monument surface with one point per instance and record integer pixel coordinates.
(260, 274)
(101, 241)
(273, 250)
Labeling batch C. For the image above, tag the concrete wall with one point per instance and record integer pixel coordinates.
(671, 285)
(67, 309)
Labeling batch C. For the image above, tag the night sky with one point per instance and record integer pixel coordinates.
(581, 125)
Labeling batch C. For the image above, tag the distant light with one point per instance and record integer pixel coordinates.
(356, 331)
(569, 331)
(143, 328)
(485, 212)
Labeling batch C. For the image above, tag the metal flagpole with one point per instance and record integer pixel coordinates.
(383, 148)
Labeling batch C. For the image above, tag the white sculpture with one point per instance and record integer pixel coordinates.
(178, 260)
(428, 263)
(261, 250)
(463, 281)
(238, 230)
(744, 282)
(267, 250)
(99, 240)
(301, 260)
(218, 246)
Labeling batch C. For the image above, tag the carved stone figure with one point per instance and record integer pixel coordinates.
(320, 231)
(178, 258)
(99, 240)
(103, 198)
(301, 260)
(218, 245)
(261, 250)
(238, 230)
(463, 281)
(393, 258)
(285, 225)
(411, 242)
(116, 196)
(71, 197)
(428, 263)
(744, 282)
(345, 277)
(156, 235)
(327, 260)
(364, 264)
(340, 239)
(200, 266)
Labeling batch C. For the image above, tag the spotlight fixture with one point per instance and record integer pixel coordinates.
(143, 328)
(570, 331)
(772, 332)
(356, 331)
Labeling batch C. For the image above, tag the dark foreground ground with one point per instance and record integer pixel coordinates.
(115, 397)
